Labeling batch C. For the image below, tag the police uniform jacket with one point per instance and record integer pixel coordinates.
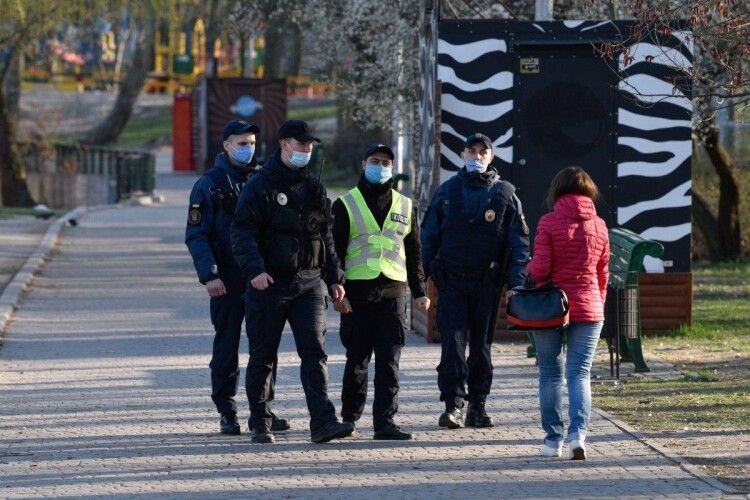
(474, 220)
(212, 203)
(282, 226)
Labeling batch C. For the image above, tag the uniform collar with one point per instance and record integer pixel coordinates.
(291, 176)
(377, 190)
(485, 179)
(237, 173)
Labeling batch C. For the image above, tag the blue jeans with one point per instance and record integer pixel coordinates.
(581, 339)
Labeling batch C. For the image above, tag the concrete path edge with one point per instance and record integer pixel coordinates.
(11, 296)
(684, 464)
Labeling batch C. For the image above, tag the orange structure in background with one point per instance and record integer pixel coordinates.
(182, 133)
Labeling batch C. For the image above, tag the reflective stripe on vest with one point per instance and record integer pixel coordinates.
(372, 250)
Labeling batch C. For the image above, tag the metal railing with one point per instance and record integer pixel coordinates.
(130, 170)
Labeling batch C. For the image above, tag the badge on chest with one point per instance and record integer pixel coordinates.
(400, 218)
(282, 199)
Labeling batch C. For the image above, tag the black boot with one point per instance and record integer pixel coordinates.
(476, 414)
(332, 430)
(279, 424)
(392, 432)
(262, 434)
(229, 424)
(353, 423)
(451, 418)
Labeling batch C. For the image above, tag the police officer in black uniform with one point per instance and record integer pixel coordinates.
(474, 239)
(212, 204)
(281, 238)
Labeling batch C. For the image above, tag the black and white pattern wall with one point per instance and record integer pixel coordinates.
(644, 154)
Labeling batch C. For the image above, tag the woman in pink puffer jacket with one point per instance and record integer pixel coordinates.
(571, 248)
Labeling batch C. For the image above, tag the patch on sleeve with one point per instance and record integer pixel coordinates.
(194, 215)
(524, 225)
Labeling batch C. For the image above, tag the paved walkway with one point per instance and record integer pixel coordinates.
(104, 391)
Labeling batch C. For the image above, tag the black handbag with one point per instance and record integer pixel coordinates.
(537, 308)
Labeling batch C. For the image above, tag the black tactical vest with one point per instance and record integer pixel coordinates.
(294, 241)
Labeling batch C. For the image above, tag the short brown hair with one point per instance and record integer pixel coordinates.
(571, 180)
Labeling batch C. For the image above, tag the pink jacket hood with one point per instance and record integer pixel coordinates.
(576, 206)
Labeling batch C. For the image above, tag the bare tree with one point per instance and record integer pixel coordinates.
(141, 47)
(23, 21)
(280, 23)
(718, 76)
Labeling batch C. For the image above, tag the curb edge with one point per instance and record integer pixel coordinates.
(681, 462)
(11, 296)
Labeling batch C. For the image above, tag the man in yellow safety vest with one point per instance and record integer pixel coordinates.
(376, 236)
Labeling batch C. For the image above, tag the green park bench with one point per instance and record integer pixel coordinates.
(622, 310)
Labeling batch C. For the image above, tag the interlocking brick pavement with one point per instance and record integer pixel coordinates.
(104, 391)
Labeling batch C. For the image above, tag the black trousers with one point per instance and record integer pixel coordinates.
(267, 311)
(227, 316)
(463, 317)
(377, 327)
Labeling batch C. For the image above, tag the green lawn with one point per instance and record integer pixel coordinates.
(714, 355)
(155, 123)
(702, 400)
(312, 113)
(721, 307)
(9, 212)
(142, 130)
(148, 126)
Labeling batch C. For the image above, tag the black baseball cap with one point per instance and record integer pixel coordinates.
(297, 129)
(478, 138)
(235, 127)
(379, 148)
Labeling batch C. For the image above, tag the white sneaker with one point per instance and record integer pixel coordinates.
(576, 450)
(551, 451)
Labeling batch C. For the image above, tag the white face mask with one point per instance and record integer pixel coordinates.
(300, 159)
(475, 166)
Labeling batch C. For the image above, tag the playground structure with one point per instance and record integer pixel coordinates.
(180, 55)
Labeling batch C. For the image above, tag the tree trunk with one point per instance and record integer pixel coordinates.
(295, 63)
(707, 224)
(728, 218)
(13, 189)
(212, 64)
(273, 50)
(12, 85)
(130, 87)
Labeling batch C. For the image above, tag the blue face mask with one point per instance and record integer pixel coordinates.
(475, 166)
(300, 159)
(243, 154)
(377, 174)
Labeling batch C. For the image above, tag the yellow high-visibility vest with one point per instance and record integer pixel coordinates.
(372, 250)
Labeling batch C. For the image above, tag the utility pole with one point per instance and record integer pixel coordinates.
(399, 135)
